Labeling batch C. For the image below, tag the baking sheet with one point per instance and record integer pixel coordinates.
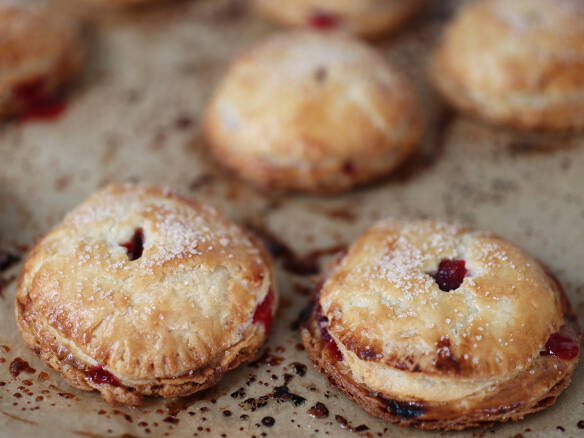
(135, 116)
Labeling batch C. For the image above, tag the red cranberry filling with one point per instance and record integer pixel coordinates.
(561, 346)
(44, 110)
(30, 91)
(324, 20)
(98, 375)
(450, 274)
(263, 312)
(38, 106)
(135, 246)
(331, 345)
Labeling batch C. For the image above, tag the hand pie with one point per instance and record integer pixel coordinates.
(368, 18)
(433, 325)
(39, 54)
(139, 292)
(518, 63)
(306, 111)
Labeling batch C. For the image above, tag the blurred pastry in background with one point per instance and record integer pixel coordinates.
(315, 112)
(518, 63)
(437, 326)
(40, 54)
(139, 292)
(367, 18)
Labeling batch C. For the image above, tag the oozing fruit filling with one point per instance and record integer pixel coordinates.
(32, 94)
(98, 375)
(560, 346)
(324, 20)
(450, 274)
(135, 246)
(263, 312)
(326, 337)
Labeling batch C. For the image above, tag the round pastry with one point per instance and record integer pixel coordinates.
(440, 327)
(368, 18)
(518, 63)
(39, 53)
(306, 111)
(139, 292)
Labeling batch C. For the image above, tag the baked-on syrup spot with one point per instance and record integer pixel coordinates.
(135, 246)
(7, 259)
(560, 346)
(98, 375)
(18, 365)
(450, 274)
(319, 410)
(264, 312)
(324, 20)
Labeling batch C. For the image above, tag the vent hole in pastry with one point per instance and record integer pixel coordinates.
(450, 274)
(135, 246)
(324, 20)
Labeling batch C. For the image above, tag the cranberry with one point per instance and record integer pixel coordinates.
(135, 246)
(561, 346)
(324, 20)
(331, 345)
(263, 313)
(450, 274)
(44, 110)
(98, 375)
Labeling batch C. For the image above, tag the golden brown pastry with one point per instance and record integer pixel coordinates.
(518, 63)
(139, 292)
(39, 54)
(306, 111)
(440, 327)
(368, 18)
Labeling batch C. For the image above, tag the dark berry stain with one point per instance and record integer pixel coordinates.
(344, 423)
(171, 420)
(18, 366)
(560, 346)
(283, 394)
(7, 259)
(403, 409)
(239, 393)
(302, 317)
(450, 274)
(319, 410)
(299, 368)
(580, 424)
(268, 421)
(135, 246)
(267, 358)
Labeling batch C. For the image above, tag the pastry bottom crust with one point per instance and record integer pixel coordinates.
(330, 178)
(57, 356)
(513, 398)
(557, 117)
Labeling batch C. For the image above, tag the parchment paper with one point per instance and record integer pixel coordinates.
(135, 116)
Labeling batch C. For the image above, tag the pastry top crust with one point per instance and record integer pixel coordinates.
(383, 306)
(522, 51)
(364, 17)
(308, 99)
(33, 44)
(188, 298)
